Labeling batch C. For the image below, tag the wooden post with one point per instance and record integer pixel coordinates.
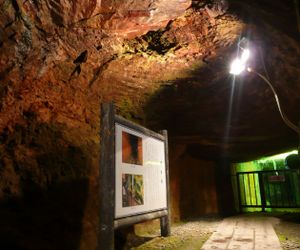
(165, 227)
(107, 179)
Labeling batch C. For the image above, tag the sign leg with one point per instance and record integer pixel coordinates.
(165, 226)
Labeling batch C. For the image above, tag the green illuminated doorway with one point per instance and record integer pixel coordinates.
(266, 184)
(268, 189)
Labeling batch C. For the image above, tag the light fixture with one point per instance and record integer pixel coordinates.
(245, 55)
(240, 64)
(237, 66)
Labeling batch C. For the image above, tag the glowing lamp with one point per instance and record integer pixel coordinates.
(237, 67)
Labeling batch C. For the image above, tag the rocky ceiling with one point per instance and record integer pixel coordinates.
(163, 62)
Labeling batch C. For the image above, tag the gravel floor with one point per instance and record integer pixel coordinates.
(184, 236)
(191, 235)
(288, 230)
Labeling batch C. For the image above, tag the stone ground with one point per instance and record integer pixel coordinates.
(191, 235)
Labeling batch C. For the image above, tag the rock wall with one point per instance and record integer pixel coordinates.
(192, 185)
(53, 54)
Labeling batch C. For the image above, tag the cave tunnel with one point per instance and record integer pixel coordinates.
(165, 65)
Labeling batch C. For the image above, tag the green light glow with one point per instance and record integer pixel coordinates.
(274, 162)
(281, 156)
(249, 184)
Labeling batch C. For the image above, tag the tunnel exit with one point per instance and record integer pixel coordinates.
(267, 184)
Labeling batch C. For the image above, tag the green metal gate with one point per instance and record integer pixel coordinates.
(268, 189)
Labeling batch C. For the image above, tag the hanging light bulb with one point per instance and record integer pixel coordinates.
(237, 66)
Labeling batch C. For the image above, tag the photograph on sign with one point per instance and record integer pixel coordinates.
(132, 149)
(132, 190)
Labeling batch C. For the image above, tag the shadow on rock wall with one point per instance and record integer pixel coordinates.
(43, 188)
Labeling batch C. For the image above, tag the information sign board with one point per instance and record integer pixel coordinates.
(140, 173)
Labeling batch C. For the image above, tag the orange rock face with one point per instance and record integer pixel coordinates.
(53, 56)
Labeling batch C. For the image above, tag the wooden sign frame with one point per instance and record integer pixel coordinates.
(108, 222)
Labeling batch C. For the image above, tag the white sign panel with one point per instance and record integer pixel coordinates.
(140, 173)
